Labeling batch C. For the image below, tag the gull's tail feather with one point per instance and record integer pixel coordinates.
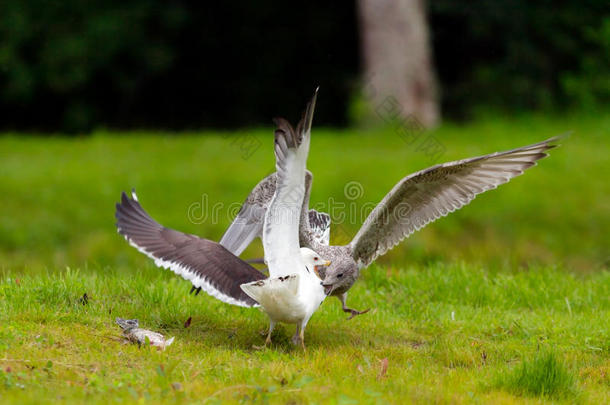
(269, 293)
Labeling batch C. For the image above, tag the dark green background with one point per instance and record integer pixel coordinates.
(75, 65)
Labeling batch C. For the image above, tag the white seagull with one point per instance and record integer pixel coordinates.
(293, 291)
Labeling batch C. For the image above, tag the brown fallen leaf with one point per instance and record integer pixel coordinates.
(188, 322)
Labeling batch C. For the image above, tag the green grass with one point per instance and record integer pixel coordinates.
(545, 375)
(446, 331)
(504, 301)
(59, 193)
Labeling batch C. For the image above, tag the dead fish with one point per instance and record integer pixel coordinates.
(133, 332)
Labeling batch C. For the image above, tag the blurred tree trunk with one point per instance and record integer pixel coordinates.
(398, 59)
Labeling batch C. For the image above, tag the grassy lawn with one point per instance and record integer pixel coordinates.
(507, 300)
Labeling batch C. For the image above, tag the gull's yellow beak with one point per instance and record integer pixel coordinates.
(317, 268)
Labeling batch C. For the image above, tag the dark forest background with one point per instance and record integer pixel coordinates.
(73, 66)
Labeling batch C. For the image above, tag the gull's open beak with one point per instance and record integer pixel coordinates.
(328, 288)
(327, 263)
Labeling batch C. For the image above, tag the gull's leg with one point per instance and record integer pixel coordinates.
(271, 326)
(301, 332)
(302, 336)
(353, 312)
(297, 335)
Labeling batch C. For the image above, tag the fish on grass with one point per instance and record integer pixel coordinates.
(133, 333)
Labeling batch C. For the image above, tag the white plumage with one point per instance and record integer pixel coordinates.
(293, 291)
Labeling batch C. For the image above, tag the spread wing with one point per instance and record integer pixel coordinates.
(282, 219)
(422, 197)
(319, 223)
(205, 263)
(248, 224)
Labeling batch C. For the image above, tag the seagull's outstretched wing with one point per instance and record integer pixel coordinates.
(203, 262)
(282, 219)
(422, 197)
(248, 224)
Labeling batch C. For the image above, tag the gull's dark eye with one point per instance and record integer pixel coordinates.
(339, 275)
(316, 258)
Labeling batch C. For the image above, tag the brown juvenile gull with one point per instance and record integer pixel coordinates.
(415, 201)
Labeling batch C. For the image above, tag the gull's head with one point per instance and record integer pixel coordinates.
(340, 276)
(127, 324)
(313, 261)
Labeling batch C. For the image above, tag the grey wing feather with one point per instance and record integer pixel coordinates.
(319, 224)
(205, 263)
(248, 224)
(282, 219)
(427, 195)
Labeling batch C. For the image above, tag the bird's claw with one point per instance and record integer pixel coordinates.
(297, 340)
(354, 312)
